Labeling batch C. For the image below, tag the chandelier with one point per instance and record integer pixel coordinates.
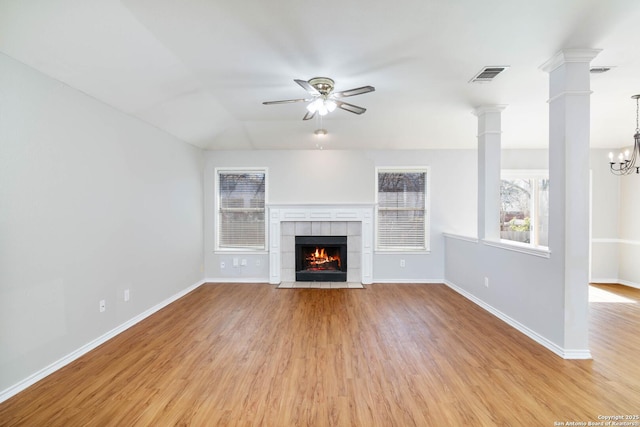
(626, 163)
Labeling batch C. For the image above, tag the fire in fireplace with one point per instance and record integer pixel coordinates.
(321, 258)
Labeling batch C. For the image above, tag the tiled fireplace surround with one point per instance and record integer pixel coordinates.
(353, 221)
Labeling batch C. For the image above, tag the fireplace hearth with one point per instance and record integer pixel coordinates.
(321, 258)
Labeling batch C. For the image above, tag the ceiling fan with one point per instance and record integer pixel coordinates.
(324, 100)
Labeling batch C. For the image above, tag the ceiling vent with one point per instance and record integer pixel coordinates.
(599, 70)
(487, 74)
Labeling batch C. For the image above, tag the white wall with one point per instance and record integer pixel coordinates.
(92, 202)
(605, 230)
(339, 176)
(535, 159)
(615, 248)
(629, 226)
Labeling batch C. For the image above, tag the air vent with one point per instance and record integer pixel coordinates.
(599, 70)
(487, 74)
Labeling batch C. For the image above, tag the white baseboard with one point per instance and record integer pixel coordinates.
(418, 281)
(39, 375)
(577, 354)
(615, 240)
(564, 353)
(604, 280)
(236, 280)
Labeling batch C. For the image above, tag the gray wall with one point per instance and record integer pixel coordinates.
(339, 176)
(349, 177)
(92, 202)
(521, 286)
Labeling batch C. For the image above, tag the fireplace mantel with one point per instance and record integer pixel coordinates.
(279, 213)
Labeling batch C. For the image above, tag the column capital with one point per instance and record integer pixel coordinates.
(493, 108)
(569, 55)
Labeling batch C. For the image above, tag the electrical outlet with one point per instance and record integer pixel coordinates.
(103, 306)
(243, 262)
(126, 295)
(402, 263)
(486, 282)
(221, 265)
(235, 262)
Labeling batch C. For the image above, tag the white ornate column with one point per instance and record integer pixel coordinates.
(569, 127)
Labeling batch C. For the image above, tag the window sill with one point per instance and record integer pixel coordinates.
(519, 247)
(461, 237)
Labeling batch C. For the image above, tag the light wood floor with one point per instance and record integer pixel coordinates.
(387, 355)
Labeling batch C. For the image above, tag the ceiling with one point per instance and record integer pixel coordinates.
(200, 69)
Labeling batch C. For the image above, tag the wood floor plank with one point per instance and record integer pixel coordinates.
(387, 355)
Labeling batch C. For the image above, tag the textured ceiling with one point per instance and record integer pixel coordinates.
(201, 69)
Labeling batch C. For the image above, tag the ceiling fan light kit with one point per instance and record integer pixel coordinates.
(324, 100)
(322, 106)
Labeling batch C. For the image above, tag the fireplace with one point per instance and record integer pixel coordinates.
(321, 258)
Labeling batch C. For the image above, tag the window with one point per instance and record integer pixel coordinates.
(524, 207)
(402, 216)
(241, 212)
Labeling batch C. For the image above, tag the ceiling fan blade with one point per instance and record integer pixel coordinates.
(309, 115)
(286, 101)
(350, 107)
(306, 86)
(352, 92)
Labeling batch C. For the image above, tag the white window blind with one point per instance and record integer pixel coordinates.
(241, 196)
(401, 215)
